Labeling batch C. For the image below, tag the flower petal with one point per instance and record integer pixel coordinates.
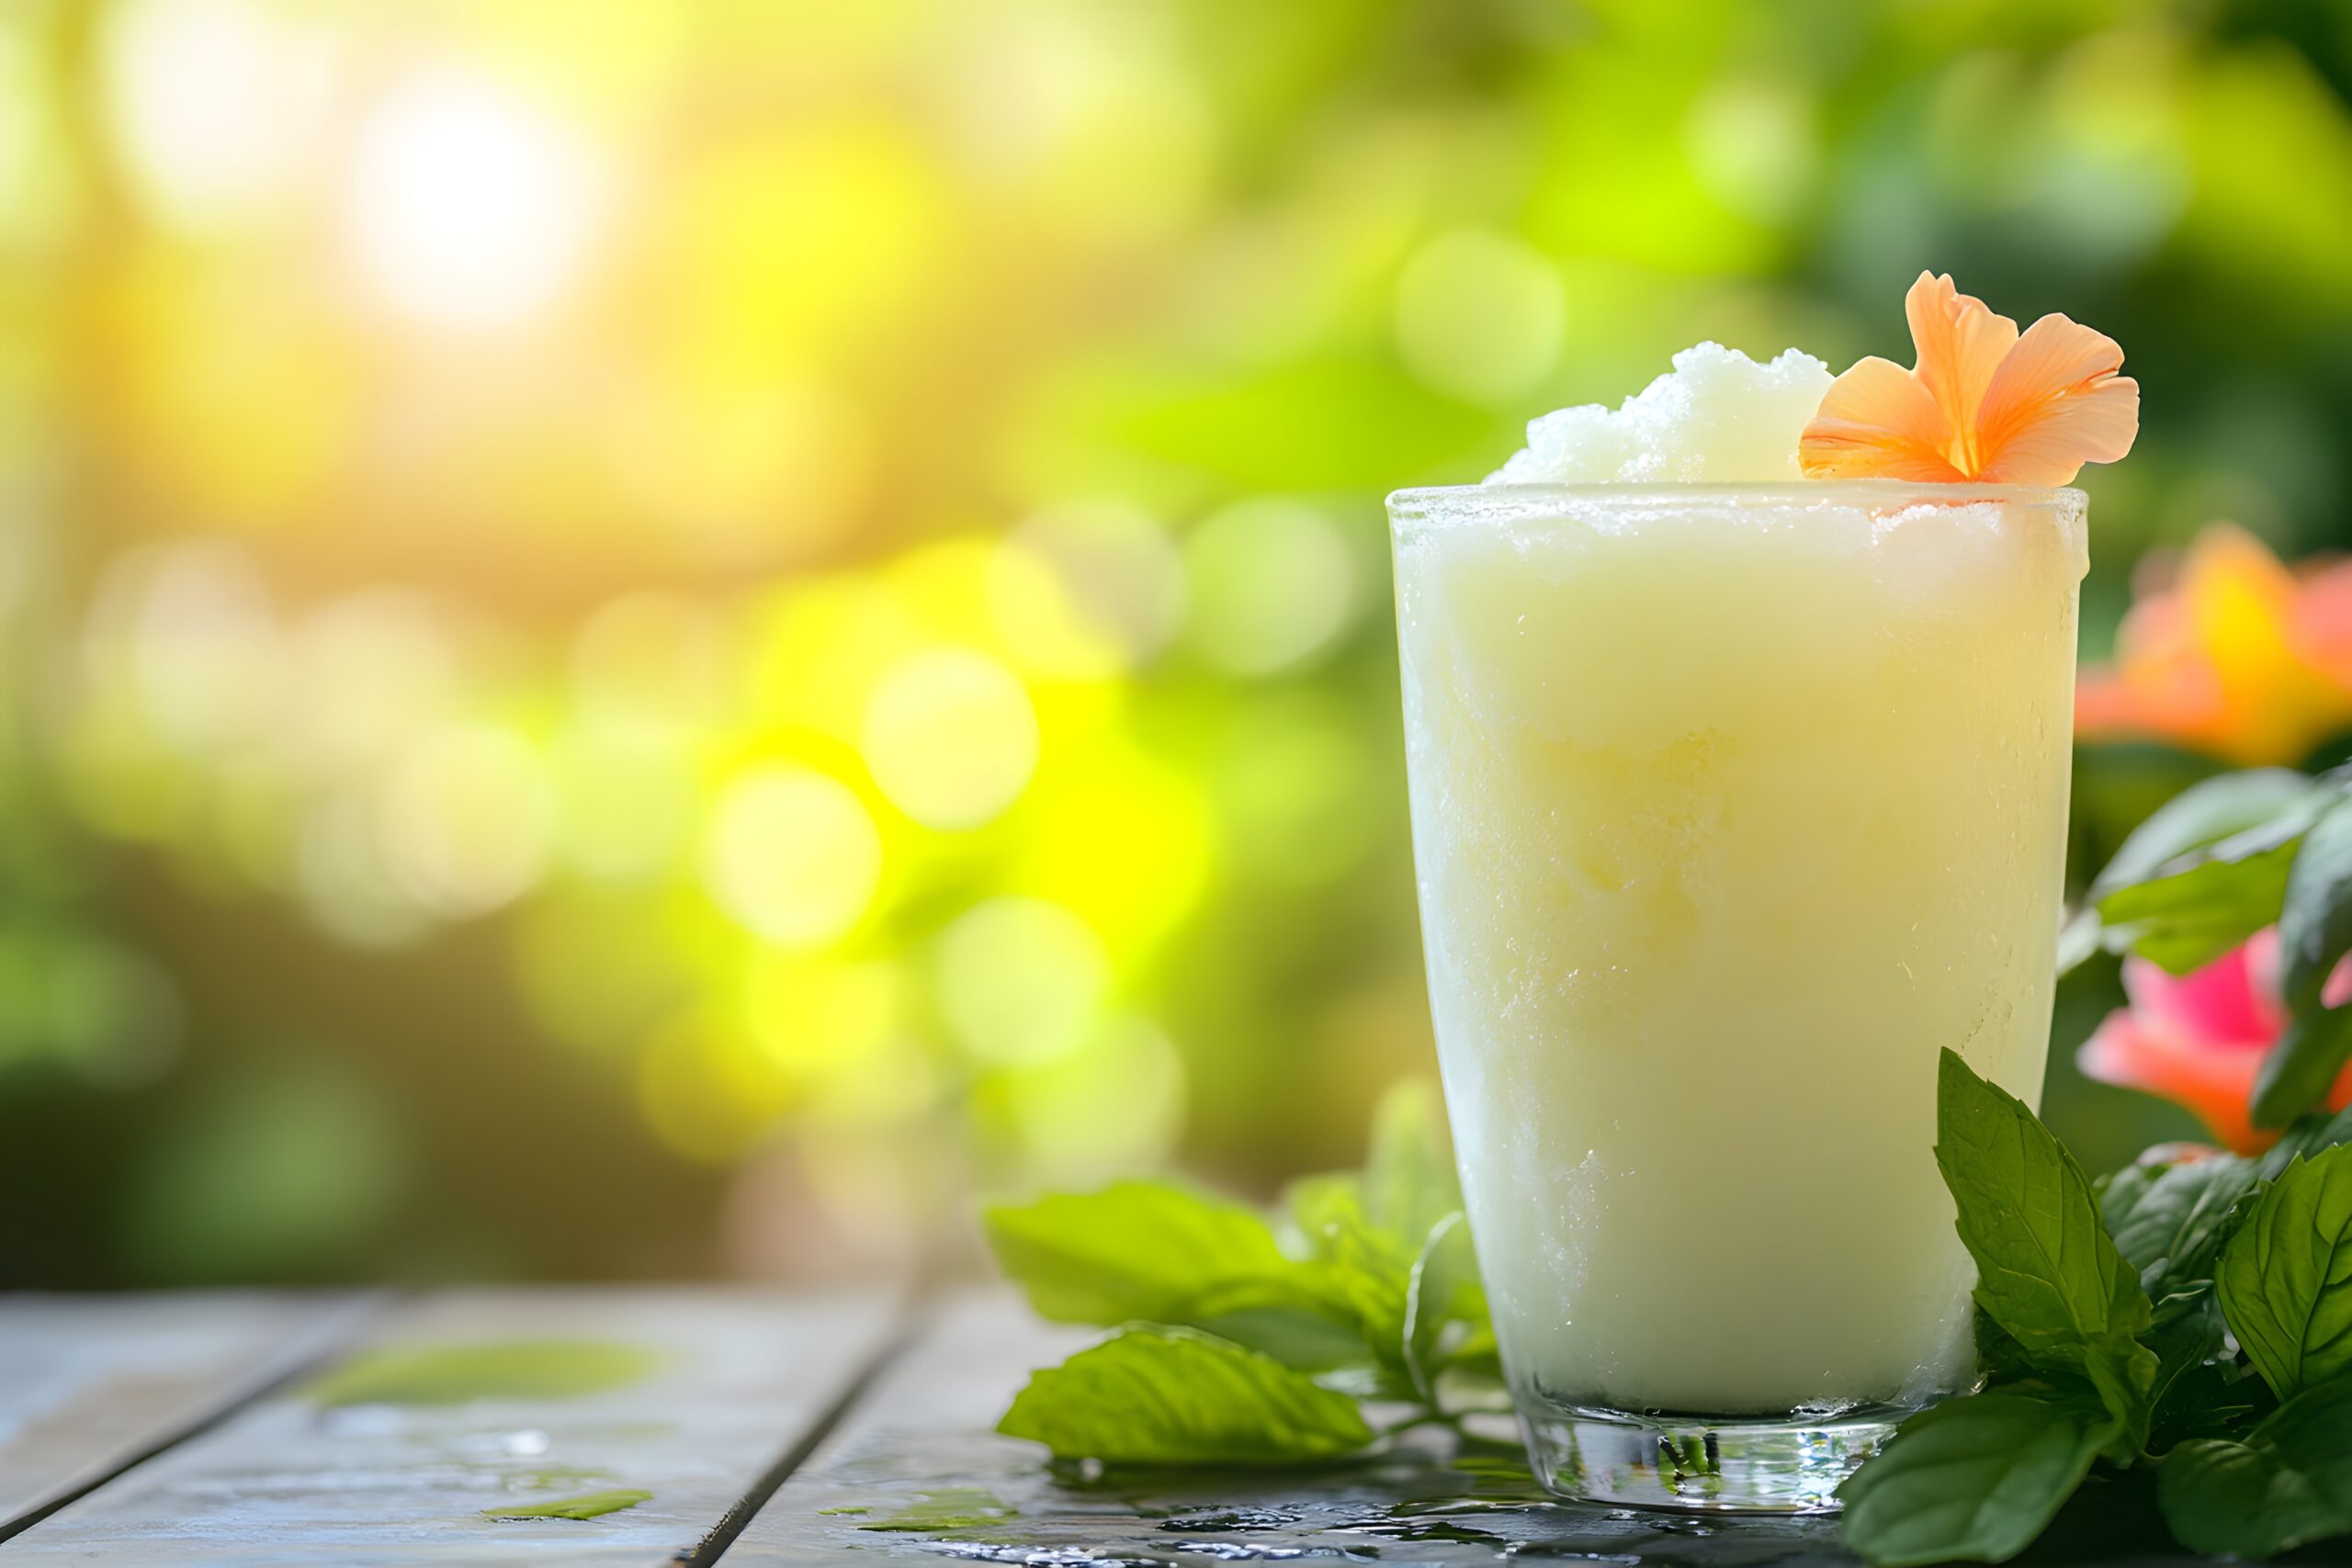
(1877, 421)
(2213, 1085)
(2055, 403)
(2230, 1004)
(1961, 343)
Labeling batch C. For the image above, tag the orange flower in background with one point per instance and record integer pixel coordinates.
(1984, 403)
(2238, 657)
(2199, 1039)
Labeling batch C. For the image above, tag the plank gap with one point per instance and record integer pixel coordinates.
(336, 1339)
(918, 1315)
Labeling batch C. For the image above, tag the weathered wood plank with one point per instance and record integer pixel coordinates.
(915, 1475)
(89, 1383)
(495, 1401)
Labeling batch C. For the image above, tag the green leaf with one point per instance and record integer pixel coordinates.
(458, 1374)
(2285, 1276)
(2304, 1138)
(2302, 1069)
(1443, 1293)
(2047, 1271)
(949, 1508)
(2205, 813)
(1363, 1265)
(1155, 1395)
(1973, 1478)
(2169, 1221)
(2187, 919)
(2315, 921)
(1139, 1250)
(2289, 1482)
(594, 1504)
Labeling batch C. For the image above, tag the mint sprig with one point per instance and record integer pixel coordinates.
(2109, 1333)
(1242, 1339)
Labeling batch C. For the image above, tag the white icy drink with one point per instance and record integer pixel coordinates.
(1736, 797)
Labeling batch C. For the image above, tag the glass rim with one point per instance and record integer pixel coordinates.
(1883, 490)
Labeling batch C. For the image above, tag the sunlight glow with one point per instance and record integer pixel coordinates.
(469, 207)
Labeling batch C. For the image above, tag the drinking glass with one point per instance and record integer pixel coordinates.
(1733, 806)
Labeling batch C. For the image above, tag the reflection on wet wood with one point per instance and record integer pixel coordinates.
(463, 1410)
(914, 1474)
(89, 1383)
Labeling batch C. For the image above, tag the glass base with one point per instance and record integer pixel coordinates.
(1730, 1464)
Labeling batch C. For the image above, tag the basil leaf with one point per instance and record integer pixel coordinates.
(2047, 1271)
(2187, 919)
(2286, 1277)
(2302, 1066)
(2169, 1221)
(1973, 1478)
(2288, 1482)
(2315, 921)
(1138, 1249)
(1159, 1395)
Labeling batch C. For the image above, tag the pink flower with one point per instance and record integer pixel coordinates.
(2199, 1039)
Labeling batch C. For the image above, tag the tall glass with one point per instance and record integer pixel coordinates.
(1732, 806)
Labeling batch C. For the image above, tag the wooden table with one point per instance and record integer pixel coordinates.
(763, 1427)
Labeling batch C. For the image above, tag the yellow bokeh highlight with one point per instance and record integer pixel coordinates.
(467, 817)
(792, 855)
(951, 738)
(1020, 980)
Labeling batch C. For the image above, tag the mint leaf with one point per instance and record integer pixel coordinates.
(2285, 1276)
(1973, 1478)
(2316, 920)
(1443, 1293)
(2169, 1221)
(2205, 813)
(2288, 1482)
(2301, 1067)
(592, 1505)
(1136, 1250)
(2305, 1136)
(2047, 1272)
(2187, 919)
(1363, 1265)
(1157, 1396)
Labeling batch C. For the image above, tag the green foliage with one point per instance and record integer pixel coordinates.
(2080, 1370)
(2047, 1271)
(2285, 1276)
(2108, 1320)
(1374, 1291)
(1974, 1479)
(594, 1505)
(2228, 856)
(1153, 1394)
(2288, 1481)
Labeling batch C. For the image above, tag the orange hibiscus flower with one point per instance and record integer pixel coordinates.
(1985, 403)
(2234, 654)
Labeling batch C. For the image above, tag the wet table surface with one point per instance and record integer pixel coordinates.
(701, 1423)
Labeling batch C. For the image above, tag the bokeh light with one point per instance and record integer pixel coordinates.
(644, 638)
(793, 855)
(469, 206)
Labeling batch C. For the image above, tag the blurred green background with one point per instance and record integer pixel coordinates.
(652, 638)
